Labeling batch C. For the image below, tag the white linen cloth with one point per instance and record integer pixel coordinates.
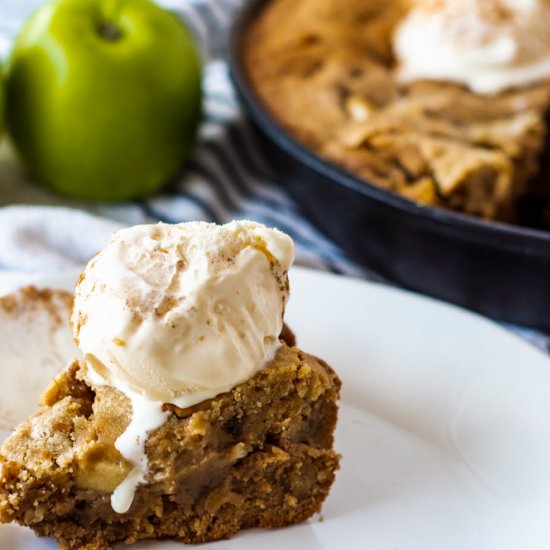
(37, 242)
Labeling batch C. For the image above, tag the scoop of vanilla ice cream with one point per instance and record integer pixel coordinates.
(180, 313)
(487, 45)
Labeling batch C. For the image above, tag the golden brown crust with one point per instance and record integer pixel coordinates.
(30, 298)
(260, 455)
(325, 70)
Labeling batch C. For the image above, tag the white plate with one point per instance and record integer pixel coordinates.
(444, 427)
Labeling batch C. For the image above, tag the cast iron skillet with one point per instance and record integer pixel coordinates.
(500, 270)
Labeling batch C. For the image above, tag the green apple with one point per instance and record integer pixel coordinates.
(104, 96)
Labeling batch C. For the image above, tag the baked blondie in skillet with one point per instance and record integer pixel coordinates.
(453, 149)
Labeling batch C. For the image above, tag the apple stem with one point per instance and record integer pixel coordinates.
(111, 12)
(110, 31)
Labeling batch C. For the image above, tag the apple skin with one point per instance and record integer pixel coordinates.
(104, 96)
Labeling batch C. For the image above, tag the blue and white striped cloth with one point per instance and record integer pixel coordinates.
(227, 177)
